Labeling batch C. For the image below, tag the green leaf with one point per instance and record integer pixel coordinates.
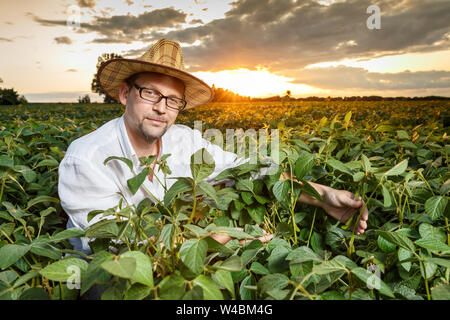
(233, 263)
(210, 289)
(244, 185)
(247, 197)
(280, 189)
(180, 186)
(48, 163)
(258, 268)
(302, 254)
(386, 196)
(6, 161)
(196, 230)
(40, 199)
(404, 254)
(338, 263)
(62, 270)
(128, 162)
(137, 292)
(10, 253)
(441, 292)
(103, 229)
(167, 233)
(438, 261)
(94, 271)
(398, 239)
(208, 190)
(135, 183)
(435, 206)
(365, 275)
(34, 294)
(432, 244)
(193, 254)
(397, 169)
(273, 281)
(40, 246)
(67, 234)
(202, 165)
(304, 165)
(28, 174)
(366, 165)
(223, 278)
(172, 287)
(245, 293)
(309, 189)
(123, 267)
(385, 245)
(233, 232)
(385, 128)
(338, 165)
(144, 267)
(428, 231)
(316, 242)
(257, 213)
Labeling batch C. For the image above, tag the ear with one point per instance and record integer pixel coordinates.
(123, 93)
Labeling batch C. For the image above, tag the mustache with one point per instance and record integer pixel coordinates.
(156, 118)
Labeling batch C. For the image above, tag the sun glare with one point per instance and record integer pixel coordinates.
(254, 83)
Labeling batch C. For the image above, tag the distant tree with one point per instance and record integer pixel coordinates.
(9, 97)
(95, 86)
(85, 99)
(22, 99)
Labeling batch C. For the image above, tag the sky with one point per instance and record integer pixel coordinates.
(49, 48)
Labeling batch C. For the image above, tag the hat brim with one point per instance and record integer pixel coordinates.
(113, 72)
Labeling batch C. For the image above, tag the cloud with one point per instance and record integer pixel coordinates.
(71, 70)
(125, 28)
(195, 21)
(1, 80)
(343, 77)
(5, 39)
(283, 34)
(63, 40)
(86, 3)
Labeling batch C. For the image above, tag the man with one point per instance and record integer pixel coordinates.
(154, 89)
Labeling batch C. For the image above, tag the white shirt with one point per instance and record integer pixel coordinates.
(86, 184)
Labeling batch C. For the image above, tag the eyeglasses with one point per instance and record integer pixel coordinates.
(155, 96)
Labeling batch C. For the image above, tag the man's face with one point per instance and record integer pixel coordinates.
(147, 119)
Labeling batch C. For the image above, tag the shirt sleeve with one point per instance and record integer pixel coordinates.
(81, 189)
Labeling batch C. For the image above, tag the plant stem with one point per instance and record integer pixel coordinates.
(3, 187)
(312, 226)
(194, 204)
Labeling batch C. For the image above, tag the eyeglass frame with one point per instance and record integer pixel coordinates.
(161, 96)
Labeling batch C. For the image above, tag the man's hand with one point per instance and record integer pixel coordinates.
(342, 205)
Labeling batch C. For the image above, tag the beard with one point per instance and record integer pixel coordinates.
(152, 135)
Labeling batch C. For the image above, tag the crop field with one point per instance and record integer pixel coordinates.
(394, 154)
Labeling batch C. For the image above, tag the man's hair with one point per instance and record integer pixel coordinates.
(131, 80)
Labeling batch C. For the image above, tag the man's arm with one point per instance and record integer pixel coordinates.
(340, 204)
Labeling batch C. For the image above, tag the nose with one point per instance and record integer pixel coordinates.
(160, 106)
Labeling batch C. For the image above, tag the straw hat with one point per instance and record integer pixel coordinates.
(165, 57)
